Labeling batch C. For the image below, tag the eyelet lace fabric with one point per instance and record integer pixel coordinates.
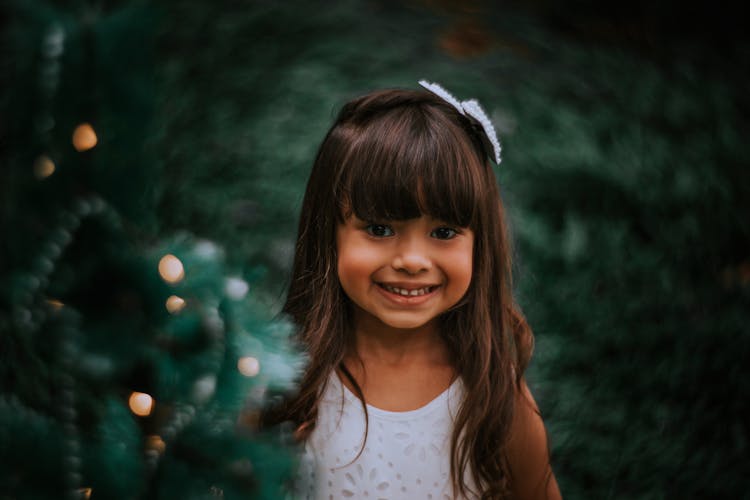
(406, 456)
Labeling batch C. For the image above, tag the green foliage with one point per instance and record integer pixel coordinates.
(89, 315)
(628, 202)
(37, 449)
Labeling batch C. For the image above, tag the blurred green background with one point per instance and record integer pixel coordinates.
(625, 175)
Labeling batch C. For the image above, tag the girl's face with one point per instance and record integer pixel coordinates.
(403, 274)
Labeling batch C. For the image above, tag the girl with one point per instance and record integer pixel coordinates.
(401, 289)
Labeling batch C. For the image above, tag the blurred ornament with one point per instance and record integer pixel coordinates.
(171, 269)
(53, 46)
(236, 288)
(70, 222)
(53, 42)
(62, 237)
(85, 493)
(84, 137)
(97, 204)
(96, 366)
(155, 443)
(248, 366)
(204, 388)
(52, 250)
(44, 265)
(175, 304)
(141, 404)
(83, 208)
(206, 249)
(43, 167)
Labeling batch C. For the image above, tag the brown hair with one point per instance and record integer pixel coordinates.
(394, 155)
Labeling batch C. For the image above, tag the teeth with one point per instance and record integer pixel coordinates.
(405, 292)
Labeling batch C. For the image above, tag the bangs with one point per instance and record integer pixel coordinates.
(406, 164)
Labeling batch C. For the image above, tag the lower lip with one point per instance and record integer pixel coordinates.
(410, 300)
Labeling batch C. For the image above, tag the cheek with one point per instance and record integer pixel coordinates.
(465, 271)
(344, 270)
(462, 269)
(353, 268)
(463, 258)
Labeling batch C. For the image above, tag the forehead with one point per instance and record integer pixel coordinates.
(383, 197)
(410, 176)
(399, 155)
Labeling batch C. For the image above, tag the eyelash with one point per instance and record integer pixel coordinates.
(453, 232)
(371, 230)
(376, 230)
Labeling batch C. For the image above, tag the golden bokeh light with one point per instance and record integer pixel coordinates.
(156, 443)
(141, 404)
(85, 493)
(55, 304)
(43, 167)
(171, 269)
(84, 137)
(248, 366)
(175, 304)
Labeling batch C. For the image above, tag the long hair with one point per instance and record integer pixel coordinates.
(398, 154)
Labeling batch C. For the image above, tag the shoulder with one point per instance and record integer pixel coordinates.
(528, 451)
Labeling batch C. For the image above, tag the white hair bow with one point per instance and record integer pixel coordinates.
(472, 109)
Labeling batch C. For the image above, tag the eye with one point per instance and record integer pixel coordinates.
(444, 233)
(379, 230)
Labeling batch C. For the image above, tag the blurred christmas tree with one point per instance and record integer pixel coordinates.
(132, 365)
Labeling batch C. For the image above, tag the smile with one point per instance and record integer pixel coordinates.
(405, 292)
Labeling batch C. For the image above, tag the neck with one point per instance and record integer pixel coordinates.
(382, 344)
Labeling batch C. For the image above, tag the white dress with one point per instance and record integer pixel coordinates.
(406, 456)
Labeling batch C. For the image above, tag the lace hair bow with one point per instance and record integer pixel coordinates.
(472, 110)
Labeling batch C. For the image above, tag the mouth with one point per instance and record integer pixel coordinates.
(408, 292)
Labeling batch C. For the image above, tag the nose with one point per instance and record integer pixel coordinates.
(411, 257)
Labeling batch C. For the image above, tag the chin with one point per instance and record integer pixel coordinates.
(406, 324)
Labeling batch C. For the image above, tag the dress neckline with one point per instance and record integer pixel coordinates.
(450, 393)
